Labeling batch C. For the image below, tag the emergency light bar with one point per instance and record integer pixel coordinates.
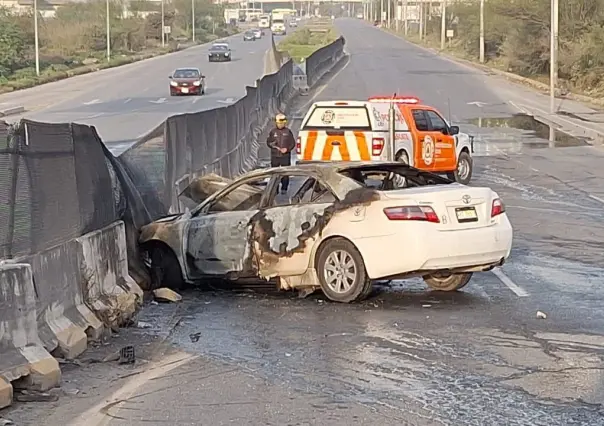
(396, 100)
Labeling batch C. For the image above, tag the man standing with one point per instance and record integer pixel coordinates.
(281, 142)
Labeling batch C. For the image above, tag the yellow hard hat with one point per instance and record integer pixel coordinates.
(280, 118)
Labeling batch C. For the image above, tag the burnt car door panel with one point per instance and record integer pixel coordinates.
(218, 243)
(290, 229)
(218, 237)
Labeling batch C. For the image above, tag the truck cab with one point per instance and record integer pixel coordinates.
(361, 131)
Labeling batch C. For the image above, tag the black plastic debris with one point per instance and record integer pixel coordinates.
(127, 355)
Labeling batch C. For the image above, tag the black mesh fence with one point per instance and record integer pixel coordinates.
(59, 181)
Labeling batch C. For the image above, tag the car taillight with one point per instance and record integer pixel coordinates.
(377, 145)
(298, 146)
(497, 208)
(421, 213)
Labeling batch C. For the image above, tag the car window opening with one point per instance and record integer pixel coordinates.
(393, 178)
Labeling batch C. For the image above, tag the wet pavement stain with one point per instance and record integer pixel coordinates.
(537, 128)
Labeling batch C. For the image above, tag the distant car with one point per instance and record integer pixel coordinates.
(258, 33)
(219, 52)
(340, 227)
(249, 36)
(187, 81)
(293, 24)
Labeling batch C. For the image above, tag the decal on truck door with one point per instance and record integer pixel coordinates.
(428, 150)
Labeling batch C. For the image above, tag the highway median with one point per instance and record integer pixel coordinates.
(304, 41)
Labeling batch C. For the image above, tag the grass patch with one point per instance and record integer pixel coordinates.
(305, 41)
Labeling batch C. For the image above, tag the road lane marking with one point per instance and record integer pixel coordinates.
(196, 100)
(159, 101)
(94, 116)
(92, 102)
(127, 100)
(593, 197)
(519, 291)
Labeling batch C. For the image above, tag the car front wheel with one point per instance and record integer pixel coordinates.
(341, 272)
(164, 268)
(447, 282)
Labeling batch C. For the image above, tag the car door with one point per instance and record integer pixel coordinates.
(445, 157)
(423, 140)
(218, 237)
(295, 224)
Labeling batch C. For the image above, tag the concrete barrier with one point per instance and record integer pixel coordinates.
(107, 288)
(65, 323)
(22, 355)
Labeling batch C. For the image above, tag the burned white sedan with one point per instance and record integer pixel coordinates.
(339, 227)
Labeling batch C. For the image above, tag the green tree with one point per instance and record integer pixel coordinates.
(12, 44)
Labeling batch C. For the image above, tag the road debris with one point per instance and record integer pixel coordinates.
(541, 315)
(32, 396)
(195, 337)
(166, 295)
(5, 422)
(143, 324)
(127, 355)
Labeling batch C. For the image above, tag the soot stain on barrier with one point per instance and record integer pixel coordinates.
(529, 123)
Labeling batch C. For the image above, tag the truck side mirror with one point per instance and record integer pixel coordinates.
(453, 130)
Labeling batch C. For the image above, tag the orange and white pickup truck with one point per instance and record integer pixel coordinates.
(360, 131)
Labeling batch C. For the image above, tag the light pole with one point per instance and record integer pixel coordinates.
(108, 30)
(163, 25)
(553, 66)
(443, 24)
(405, 16)
(482, 31)
(36, 42)
(193, 19)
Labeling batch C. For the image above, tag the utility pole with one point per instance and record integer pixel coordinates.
(36, 38)
(389, 13)
(381, 12)
(193, 19)
(405, 4)
(553, 67)
(163, 25)
(421, 21)
(443, 24)
(482, 31)
(108, 32)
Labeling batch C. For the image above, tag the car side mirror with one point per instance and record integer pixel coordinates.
(170, 77)
(453, 130)
(203, 76)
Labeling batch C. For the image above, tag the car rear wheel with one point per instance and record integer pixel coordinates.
(447, 282)
(164, 268)
(341, 272)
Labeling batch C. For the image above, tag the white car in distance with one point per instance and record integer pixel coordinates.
(341, 227)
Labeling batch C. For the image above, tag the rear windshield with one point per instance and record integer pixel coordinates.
(392, 178)
(277, 21)
(338, 117)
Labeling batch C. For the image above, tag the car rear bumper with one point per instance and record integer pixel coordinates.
(423, 250)
(219, 58)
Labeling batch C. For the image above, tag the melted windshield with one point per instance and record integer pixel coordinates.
(386, 178)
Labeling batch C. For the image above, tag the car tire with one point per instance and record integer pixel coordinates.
(335, 253)
(451, 282)
(164, 268)
(465, 163)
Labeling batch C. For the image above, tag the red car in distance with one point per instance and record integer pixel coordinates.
(187, 81)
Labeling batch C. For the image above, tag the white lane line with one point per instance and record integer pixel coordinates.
(127, 100)
(196, 99)
(92, 102)
(159, 101)
(593, 197)
(94, 116)
(519, 291)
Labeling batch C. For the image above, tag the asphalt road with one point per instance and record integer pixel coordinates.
(124, 103)
(408, 356)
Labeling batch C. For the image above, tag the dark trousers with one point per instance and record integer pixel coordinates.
(282, 161)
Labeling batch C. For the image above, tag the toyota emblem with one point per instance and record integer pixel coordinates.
(466, 199)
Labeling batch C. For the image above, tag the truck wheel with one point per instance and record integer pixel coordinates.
(341, 272)
(463, 173)
(447, 282)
